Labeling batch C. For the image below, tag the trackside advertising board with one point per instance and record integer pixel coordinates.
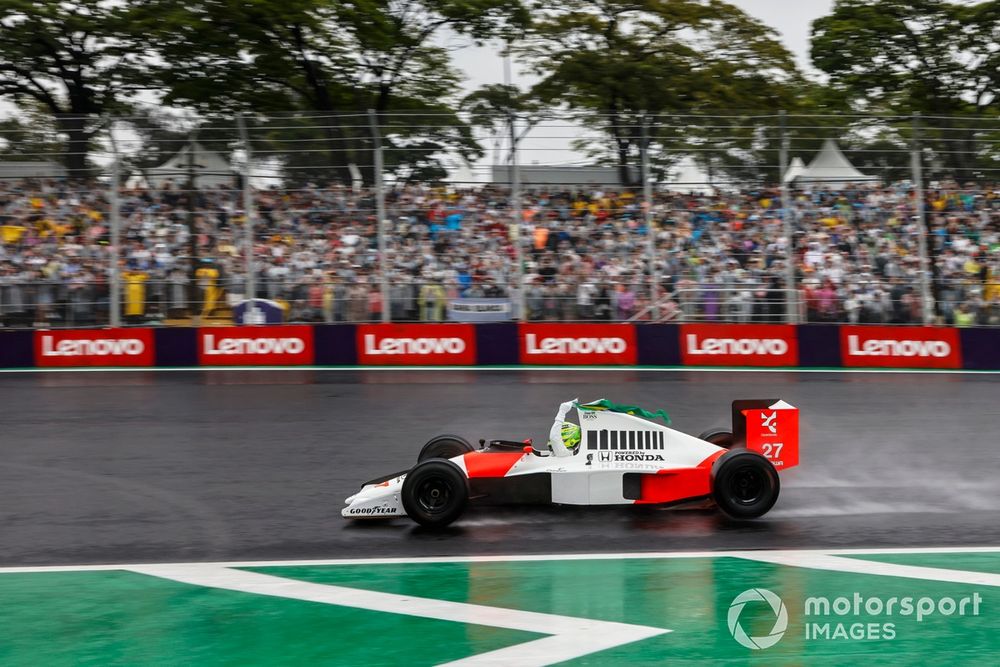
(900, 347)
(282, 345)
(739, 345)
(416, 344)
(577, 344)
(77, 348)
(508, 344)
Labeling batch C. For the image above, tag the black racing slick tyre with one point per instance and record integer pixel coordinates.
(744, 484)
(444, 447)
(435, 493)
(721, 437)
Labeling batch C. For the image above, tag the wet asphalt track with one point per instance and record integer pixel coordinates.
(133, 467)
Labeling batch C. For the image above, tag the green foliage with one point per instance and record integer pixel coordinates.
(612, 62)
(931, 57)
(30, 136)
(74, 58)
(322, 56)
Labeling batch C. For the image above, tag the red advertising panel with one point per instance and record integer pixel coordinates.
(416, 344)
(577, 344)
(94, 347)
(900, 347)
(279, 345)
(739, 345)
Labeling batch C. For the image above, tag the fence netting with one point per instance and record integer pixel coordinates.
(730, 218)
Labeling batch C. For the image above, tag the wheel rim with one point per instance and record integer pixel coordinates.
(434, 494)
(747, 484)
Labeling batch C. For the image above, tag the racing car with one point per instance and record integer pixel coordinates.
(620, 455)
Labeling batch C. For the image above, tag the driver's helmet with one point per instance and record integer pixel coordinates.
(570, 434)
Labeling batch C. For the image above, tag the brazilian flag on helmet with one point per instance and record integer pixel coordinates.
(635, 410)
(570, 434)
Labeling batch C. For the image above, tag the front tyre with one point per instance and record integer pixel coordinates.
(744, 484)
(444, 447)
(435, 493)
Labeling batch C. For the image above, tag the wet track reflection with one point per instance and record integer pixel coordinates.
(127, 467)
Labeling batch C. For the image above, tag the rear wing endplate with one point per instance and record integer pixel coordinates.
(770, 427)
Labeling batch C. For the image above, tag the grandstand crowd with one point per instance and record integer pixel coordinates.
(718, 257)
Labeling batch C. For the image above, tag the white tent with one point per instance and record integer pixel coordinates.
(686, 176)
(210, 169)
(795, 170)
(831, 169)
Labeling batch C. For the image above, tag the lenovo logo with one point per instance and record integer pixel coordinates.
(100, 347)
(71, 348)
(551, 345)
(900, 347)
(421, 346)
(284, 345)
(736, 346)
(416, 344)
(739, 345)
(897, 348)
(231, 345)
(572, 344)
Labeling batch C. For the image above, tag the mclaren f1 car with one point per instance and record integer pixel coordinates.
(614, 455)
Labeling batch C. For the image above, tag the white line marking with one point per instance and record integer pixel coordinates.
(641, 369)
(570, 637)
(518, 558)
(819, 561)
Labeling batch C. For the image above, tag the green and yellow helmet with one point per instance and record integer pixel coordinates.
(570, 434)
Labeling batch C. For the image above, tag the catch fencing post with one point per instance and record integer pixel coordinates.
(249, 213)
(916, 164)
(114, 307)
(516, 228)
(380, 213)
(792, 299)
(647, 194)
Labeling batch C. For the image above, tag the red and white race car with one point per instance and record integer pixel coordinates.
(621, 459)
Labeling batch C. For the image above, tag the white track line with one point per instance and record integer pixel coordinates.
(569, 638)
(518, 558)
(820, 561)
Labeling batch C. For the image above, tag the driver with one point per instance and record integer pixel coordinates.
(564, 436)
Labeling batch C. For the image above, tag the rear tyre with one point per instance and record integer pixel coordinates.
(435, 493)
(744, 484)
(721, 437)
(444, 447)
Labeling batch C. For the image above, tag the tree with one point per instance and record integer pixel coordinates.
(329, 57)
(611, 62)
(31, 135)
(929, 56)
(73, 58)
(498, 108)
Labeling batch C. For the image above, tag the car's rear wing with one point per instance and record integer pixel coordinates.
(769, 426)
